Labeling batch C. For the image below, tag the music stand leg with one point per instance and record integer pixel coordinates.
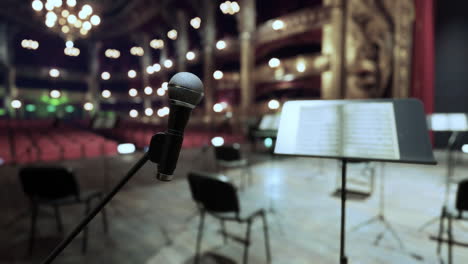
(343, 258)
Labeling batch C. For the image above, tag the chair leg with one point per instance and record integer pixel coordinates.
(267, 239)
(441, 230)
(104, 219)
(247, 242)
(85, 230)
(58, 219)
(450, 238)
(199, 237)
(32, 231)
(223, 228)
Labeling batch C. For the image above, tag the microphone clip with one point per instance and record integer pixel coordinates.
(164, 150)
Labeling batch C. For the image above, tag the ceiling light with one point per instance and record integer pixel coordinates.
(157, 43)
(16, 104)
(137, 51)
(273, 104)
(105, 76)
(156, 67)
(106, 93)
(161, 91)
(87, 25)
(217, 107)
(71, 3)
(148, 90)
(221, 44)
(65, 13)
(229, 7)
(277, 24)
(195, 22)
(72, 51)
(133, 113)
(172, 34)
(168, 63)
(218, 75)
(148, 112)
(88, 106)
(133, 92)
(132, 74)
(95, 20)
(55, 94)
(217, 141)
(150, 69)
(274, 62)
(112, 53)
(69, 44)
(37, 5)
(301, 66)
(190, 55)
(54, 73)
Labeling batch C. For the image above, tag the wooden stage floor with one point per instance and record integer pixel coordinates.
(155, 223)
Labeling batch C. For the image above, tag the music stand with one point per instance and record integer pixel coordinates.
(355, 130)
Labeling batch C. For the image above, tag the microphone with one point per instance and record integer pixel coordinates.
(185, 92)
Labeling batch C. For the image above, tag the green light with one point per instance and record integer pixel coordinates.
(2, 111)
(69, 108)
(268, 142)
(51, 108)
(30, 108)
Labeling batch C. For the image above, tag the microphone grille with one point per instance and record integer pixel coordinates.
(186, 87)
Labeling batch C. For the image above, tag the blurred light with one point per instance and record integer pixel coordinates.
(83, 31)
(148, 112)
(51, 108)
(277, 24)
(133, 113)
(82, 14)
(69, 44)
(71, 19)
(195, 22)
(30, 108)
(132, 74)
(54, 73)
(288, 77)
(87, 25)
(172, 34)
(50, 23)
(274, 62)
(224, 105)
(268, 142)
(161, 91)
(157, 43)
(190, 55)
(55, 94)
(150, 69)
(217, 141)
(301, 66)
(95, 20)
(72, 51)
(273, 104)
(218, 75)
(87, 9)
(168, 63)
(148, 90)
(229, 7)
(71, 3)
(16, 104)
(465, 148)
(105, 76)
(65, 29)
(78, 24)
(156, 67)
(51, 16)
(164, 86)
(165, 110)
(112, 53)
(58, 3)
(29, 44)
(37, 5)
(221, 44)
(62, 21)
(218, 107)
(106, 94)
(2, 111)
(126, 148)
(65, 13)
(88, 106)
(69, 108)
(137, 51)
(133, 92)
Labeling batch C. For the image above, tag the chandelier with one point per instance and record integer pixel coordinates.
(67, 19)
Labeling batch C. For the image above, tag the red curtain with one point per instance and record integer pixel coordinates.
(422, 83)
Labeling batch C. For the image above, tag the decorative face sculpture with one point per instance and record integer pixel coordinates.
(369, 44)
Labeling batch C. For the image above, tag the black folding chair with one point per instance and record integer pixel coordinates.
(55, 187)
(230, 157)
(219, 199)
(453, 214)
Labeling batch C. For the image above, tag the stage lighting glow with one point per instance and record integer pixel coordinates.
(164, 86)
(218, 107)
(69, 108)
(126, 148)
(268, 142)
(55, 94)
(195, 22)
(132, 74)
(16, 104)
(30, 108)
(301, 66)
(157, 43)
(51, 108)
(133, 113)
(217, 141)
(106, 93)
(190, 55)
(277, 24)
(105, 76)
(274, 62)
(37, 5)
(95, 20)
(148, 112)
(168, 63)
(221, 44)
(148, 90)
(88, 106)
(156, 67)
(54, 73)
(2, 112)
(218, 75)
(133, 92)
(172, 34)
(465, 148)
(161, 91)
(273, 104)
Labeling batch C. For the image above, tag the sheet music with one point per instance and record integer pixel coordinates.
(319, 131)
(369, 131)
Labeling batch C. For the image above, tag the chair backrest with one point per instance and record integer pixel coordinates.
(213, 194)
(48, 182)
(462, 196)
(228, 153)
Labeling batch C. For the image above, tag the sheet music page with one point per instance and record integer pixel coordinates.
(369, 131)
(319, 131)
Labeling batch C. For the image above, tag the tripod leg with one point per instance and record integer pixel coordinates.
(441, 230)
(395, 234)
(367, 222)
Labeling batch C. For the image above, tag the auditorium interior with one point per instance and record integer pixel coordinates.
(247, 131)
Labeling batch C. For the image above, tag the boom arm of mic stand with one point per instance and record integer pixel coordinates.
(96, 210)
